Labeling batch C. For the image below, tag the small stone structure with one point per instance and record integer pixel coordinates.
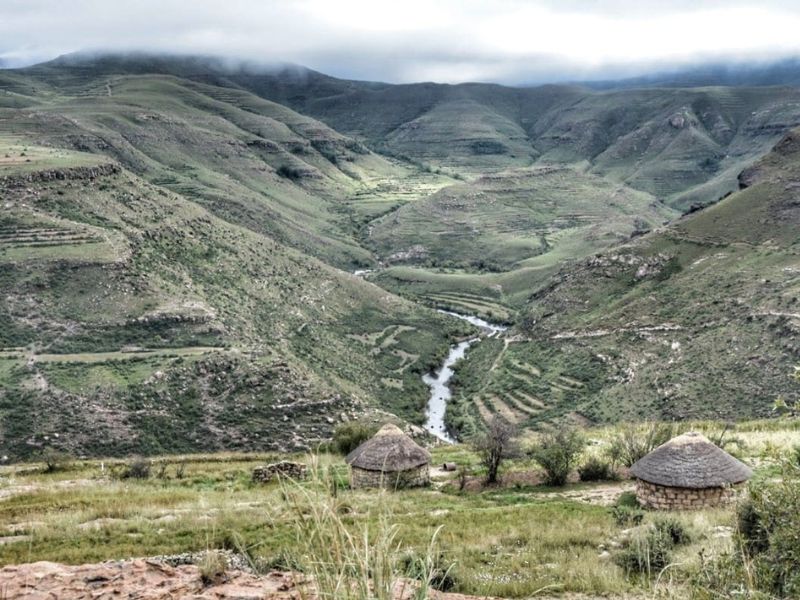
(289, 470)
(688, 472)
(389, 459)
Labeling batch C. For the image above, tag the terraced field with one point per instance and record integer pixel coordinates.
(482, 247)
(499, 221)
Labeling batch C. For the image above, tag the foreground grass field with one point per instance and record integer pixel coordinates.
(515, 540)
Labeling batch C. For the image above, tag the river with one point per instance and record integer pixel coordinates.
(439, 381)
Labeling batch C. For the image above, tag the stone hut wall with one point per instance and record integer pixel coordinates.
(361, 478)
(662, 497)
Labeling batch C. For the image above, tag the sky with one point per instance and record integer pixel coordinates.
(506, 41)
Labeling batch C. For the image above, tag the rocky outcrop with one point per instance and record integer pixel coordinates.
(289, 470)
(70, 173)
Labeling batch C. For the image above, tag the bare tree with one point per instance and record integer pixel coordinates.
(495, 445)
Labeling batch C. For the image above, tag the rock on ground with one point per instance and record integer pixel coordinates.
(150, 580)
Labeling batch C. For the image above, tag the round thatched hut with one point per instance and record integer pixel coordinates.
(688, 472)
(389, 459)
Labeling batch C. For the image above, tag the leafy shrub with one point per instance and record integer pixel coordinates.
(674, 529)
(596, 469)
(627, 516)
(54, 460)
(646, 553)
(636, 441)
(138, 468)
(349, 436)
(628, 499)
(627, 511)
(767, 564)
(769, 522)
(557, 454)
(288, 172)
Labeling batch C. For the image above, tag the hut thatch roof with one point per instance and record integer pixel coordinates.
(390, 450)
(690, 461)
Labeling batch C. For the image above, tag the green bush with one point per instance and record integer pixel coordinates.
(649, 549)
(674, 529)
(636, 441)
(349, 436)
(627, 516)
(557, 453)
(137, 468)
(769, 524)
(596, 469)
(766, 563)
(646, 553)
(288, 172)
(627, 511)
(628, 499)
(54, 460)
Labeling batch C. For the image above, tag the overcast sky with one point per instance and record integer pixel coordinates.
(509, 41)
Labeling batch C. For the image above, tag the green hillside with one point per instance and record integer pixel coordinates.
(699, 319)
(684, 145)
(178, 236)
(134, 320)
(252, 162)
(503, 232)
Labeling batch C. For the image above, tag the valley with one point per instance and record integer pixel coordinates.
(233, 296)
(179, 241)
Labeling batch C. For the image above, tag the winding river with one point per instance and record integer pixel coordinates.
(439, 381)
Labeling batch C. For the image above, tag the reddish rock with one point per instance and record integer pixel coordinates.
(149, 580)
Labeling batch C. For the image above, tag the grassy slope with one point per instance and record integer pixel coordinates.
(684, 145)
(510, 541)
(248, 160)
(647, 329)
(261, 166)
(264, 346)
(519, 226)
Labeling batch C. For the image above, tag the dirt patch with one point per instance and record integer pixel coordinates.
(152, 580)
(15, 490)
(601, 494)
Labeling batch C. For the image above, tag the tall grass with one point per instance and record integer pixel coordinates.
(346, 560)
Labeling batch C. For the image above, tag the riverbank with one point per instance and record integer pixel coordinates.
(439, 381)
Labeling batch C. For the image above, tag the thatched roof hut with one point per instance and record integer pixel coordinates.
(688, 472)
(390, 459)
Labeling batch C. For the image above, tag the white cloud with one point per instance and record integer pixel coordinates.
(412, 40)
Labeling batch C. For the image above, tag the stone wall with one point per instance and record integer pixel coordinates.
(284, 468)
(661, 497)
(360, 478)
